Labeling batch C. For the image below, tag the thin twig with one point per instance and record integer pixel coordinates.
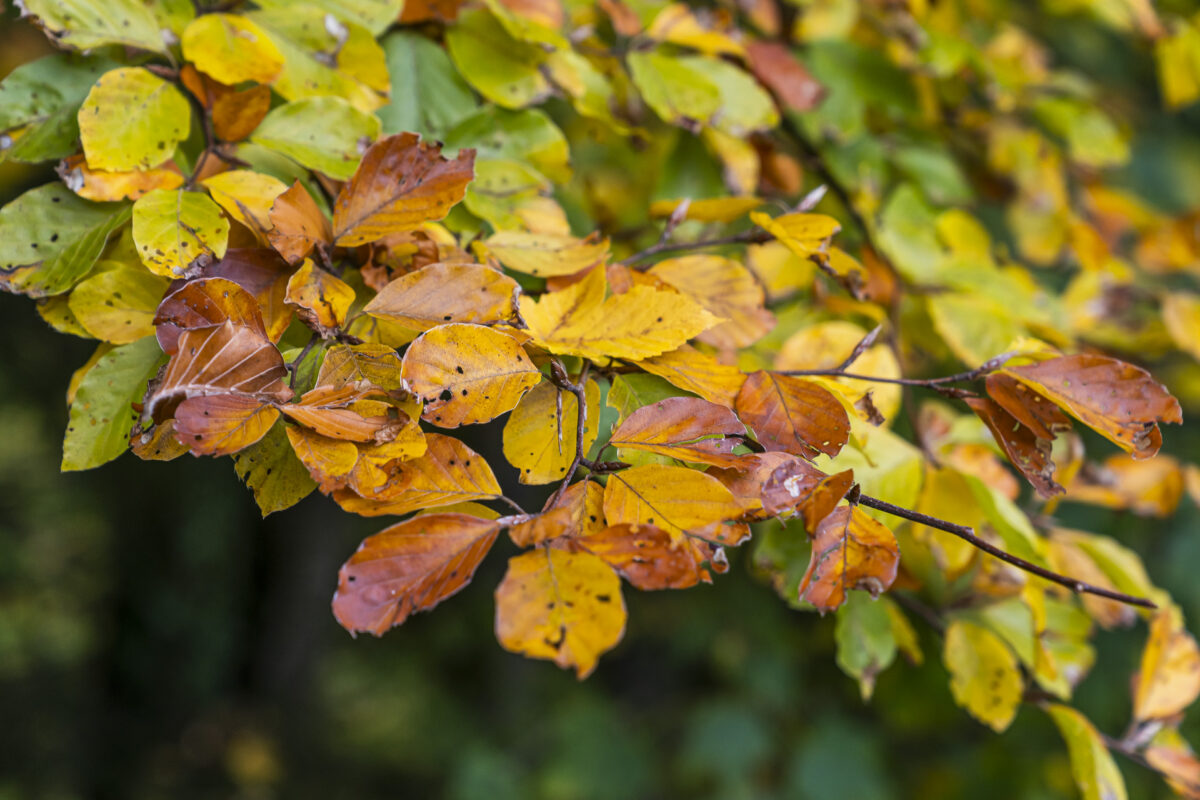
(755, 236)
(991, 365)
(293, 366)
(967, 534)
(558, 375)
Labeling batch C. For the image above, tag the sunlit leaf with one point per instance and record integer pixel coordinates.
(441, 293)
(675, 499)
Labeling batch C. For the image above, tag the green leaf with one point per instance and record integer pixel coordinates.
(373, 15)
(132, 119)
(502, 69)
(1092, 766)
(273, 472)
(326, 134)
(866, 645)
(174, 227)
(936, 172)
(744, 105)
(529, 136)
(102, 415)
(428, 95)
(84, 24)
(49, 239)
(1092, 138)
(38, 104)
(679, 93)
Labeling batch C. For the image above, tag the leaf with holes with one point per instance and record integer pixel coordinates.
(850, 551)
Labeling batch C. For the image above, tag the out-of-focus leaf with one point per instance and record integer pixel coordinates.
(326, 134)
(984, 676)
(1096, 776)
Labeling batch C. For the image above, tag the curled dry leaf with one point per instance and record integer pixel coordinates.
(446, 292)
(745, 481)
(851, 550)
(686, 428)
(321, 299)
(348, 412)
(297, 224)
(467, 374)
(262, 273)
(1027, 451)
(647, 556)
(400, 184)
(566, 607)
(365, 470)
(410, 567)
(792, 414)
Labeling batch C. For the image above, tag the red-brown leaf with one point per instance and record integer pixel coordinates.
(204, 303)
(784, 75)
(297, 224)
(1027, 451)
(792, 414)
(646, 556)
(220, 424)
(686, 428)
(851, 550)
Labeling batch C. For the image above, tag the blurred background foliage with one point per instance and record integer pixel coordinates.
(159, 639)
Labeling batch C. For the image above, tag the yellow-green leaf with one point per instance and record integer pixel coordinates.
(132, 119)
(984, 675)
(174, 227)
(326, 134)
(1092, 766)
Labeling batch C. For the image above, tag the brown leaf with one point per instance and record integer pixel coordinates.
(579, 511)
(793, 486)
(262, 273)
(441, 293)
(850, 551)
(1035, 412)
(409, 567)
(686, 428)
(221, 424)
(340, 413)
(781, 72)
(745, 480)
(1028, 452)
(646, 556)
(1118, 400)
(235, 114)
(400, 184)
(321, 298)
(219, 360)
(792, 414)
(204, 303)
(297, 224)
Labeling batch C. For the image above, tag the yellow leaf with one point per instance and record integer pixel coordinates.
(467, 373)
(1091, 764)
(540, 442)
(713, 209)
(803, 234)
(725, 288)
(545, 255)
(174, 227)
(247, 197)
(641, 323)
(1169, 678)
(321, 298)
(231, 49)
(1181, 313)
(565, 607)
(678, 24)
(374, 363)
(984, 676)
(827, 344)
(118, 305)
(1178, 58)
(676, 499)
(693, 371)
(446, 292)
(132, 119)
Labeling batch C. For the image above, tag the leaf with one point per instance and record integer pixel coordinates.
(132, 119)
(1168, 680)
(545, 255)
(175, 228)
(118, 305)
(373, 15)
(1091, 765)
(744, 106)
(231, 49)
(401, 184)
(792, 414)
(784, 75)
(265, 275)
(326, 134)
(247, 197)
(85, 24)
(321, 298)
(296, 224)
(228, 358)
(375, 363)
(579, 511)
(641, 323)
(646, 556)
(270, 468)
(676, 499)
(678, 92)
(204, 303)
(850, 551)
(795, 485)
(539, 441)
(428, 95)
(725, 288)
(866, 645)
(712, 209)
(502, 69)
(449, 472)
(1150, 488)
(685, 428)
(984, 674)
(236, 114)
(447, 292)
(565, 607)
(353, 412)
(103, 186)
(39, 104)
(221, 424)
(49, 239)
(1118, 400)
(528, 136)
(1028, 452)
(102, 413)
(693, 371)
(409, 567)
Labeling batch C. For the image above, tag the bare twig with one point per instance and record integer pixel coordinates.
(293, 366)
(755, 236)
(967, 534)
(558, 375)
(991, 365)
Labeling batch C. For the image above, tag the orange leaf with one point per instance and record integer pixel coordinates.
(330, 412)
(775, 66)
(800, 486)
(850, 551)
(204, 303)
(400, 184)
(1027, 451)
(409, 567)
(467, 373)
(745, 480)
(321, 299)
(686, 428)
(1035, 412)
(578, 512)
(235, 114)
(297, 224)
(262, 273)
(647, 556)
(792, 414)
(220, 424)
(103, 186)
(689, 369)
(441, 293)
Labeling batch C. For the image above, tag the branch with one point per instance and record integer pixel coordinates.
(558, 376)
(755, 236)
(991, 365)
(967, 534)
